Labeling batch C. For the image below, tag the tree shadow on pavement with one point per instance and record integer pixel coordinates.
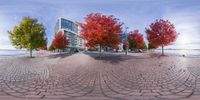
(111, 57)
(115, 58)
(63, 55)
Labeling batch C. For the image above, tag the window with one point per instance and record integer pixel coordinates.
(66, 24)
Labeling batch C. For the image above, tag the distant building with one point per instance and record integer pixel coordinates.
(71, 30)
(122, 40)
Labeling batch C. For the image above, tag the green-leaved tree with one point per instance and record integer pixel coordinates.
(150, 46)
(29, 34)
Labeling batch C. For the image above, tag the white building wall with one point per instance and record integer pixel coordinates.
(79, 43)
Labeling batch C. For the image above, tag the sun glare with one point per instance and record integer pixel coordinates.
(183, 40)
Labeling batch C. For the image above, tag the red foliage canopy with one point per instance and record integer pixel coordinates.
(161, 33)
(60, 41)
(136, 39)
(101, 30)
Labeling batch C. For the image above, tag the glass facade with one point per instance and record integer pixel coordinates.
(71, 30)
(66, 24)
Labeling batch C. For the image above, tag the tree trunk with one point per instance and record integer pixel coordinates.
(126, 52)
(162, 50)
(31, 53)
(100, 51)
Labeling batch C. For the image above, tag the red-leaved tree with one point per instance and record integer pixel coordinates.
(161, 33)
(136, 40)
(101, 30)
(60, 41)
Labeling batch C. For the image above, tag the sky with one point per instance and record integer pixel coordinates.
(135, 14)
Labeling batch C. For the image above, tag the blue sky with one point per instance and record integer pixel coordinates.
(136, 14)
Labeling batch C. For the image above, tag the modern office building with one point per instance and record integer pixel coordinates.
(71, 30)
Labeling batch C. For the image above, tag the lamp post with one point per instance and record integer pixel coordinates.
(126, 39)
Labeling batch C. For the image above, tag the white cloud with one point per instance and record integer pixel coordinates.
(4, 39)
(137, 14)
(186, 23)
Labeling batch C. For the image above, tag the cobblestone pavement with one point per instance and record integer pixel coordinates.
(85, 77)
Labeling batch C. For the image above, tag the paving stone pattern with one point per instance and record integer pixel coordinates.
(82, 77)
